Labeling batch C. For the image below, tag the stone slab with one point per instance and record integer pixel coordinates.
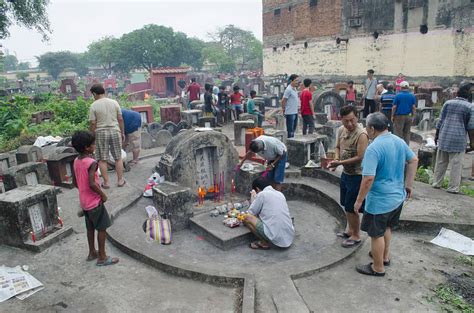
(175, 202)
(215, 232)
(239, 131)
(301, 149)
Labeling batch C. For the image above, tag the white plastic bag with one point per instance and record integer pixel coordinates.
(153, 180)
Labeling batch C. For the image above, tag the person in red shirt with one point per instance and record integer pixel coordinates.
(351, 93)
(194, 92)
(236, 102)
(307, 110)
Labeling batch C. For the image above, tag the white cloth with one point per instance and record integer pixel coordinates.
(273, 147)
(271, 207)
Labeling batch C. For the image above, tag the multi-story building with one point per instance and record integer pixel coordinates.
(340, 39)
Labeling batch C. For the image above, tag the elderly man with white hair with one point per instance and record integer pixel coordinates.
(384, 188)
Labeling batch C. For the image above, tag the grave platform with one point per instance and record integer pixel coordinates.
(214, 231)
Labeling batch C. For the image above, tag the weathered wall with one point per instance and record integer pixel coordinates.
(444, 52)
(438, 53)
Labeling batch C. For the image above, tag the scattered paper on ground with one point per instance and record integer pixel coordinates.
(14, 282)
(455, 241)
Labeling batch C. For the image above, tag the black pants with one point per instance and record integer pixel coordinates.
(369, 106)
(308, 124)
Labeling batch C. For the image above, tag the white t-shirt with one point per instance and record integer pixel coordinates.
(104, 112)
(271, 207)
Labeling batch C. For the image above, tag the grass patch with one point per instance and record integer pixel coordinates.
(451, 301)
(425, 175)
(465, 260)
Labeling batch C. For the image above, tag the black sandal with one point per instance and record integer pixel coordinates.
(343, 235)
(367, 270)
(385, 263)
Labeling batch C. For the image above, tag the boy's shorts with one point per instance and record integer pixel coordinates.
(237, 107)
(260, 231)
(376, 224)
(97, 218)
(349, 190)
(277, 175)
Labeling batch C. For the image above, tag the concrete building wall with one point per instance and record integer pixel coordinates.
(444, 52)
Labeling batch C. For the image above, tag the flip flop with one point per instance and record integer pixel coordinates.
(108, 261)
(367, 270)
(385, 263)
(104, 186)
(92, 258)
(122, 184)
(258, 245)
(349, 243)
(343, 235)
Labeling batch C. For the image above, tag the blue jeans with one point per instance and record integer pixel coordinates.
(259, 118)
(277, 174)
(291, 123)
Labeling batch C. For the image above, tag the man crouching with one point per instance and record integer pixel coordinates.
(269, 217)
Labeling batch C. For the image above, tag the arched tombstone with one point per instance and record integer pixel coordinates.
(171, 127)
(328, 102)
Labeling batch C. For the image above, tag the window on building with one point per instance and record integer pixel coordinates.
(277, 12)
(306, 44)
(287, 45)
(289, 8)
(355, 6)
(274, 49)
(313, 3)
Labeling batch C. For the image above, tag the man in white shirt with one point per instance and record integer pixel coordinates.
(269, 217)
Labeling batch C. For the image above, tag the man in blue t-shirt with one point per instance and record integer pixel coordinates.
(384, 188)
(132, 125)
(386, 104)
(290, 105)
(403, 112)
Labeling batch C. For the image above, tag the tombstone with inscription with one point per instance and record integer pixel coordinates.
(29, 218)
(61, 168)
(31, 174)
(69, 88)
(146, 113)
(329, 102)
(171, 112)
(247, 116)
(423, 100)
(194, 158)
(280, 134)
(207, 121)
(28, 154)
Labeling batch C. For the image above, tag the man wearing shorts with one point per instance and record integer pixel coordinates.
(385, 188)
(351, 142)
(105, 118)
(274, 151)
(269, 217)
(132, 122)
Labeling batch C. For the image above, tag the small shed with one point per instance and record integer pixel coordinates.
(164, 80)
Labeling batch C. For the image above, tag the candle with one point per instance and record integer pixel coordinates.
(232, 186)
(33, 237)
(60, 221)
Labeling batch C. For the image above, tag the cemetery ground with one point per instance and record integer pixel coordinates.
(192, 275)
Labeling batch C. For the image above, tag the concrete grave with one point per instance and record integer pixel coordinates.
(280, 134)
(171, 113)
(244, 179)
(171, 127)
(329, 102)
(40, 117)
(207, 121)
(423, 100)
(162, 138)
(280, 122)
(147, 141)
(240, 128)
(330, 130)
(31, 174)
(153, 128)
(61, 168)
(146, 113)
(183, 125)
(320, 118)
(175, 202)
(247, 117)
(29, 218)
(193, 158)
(7, 160)
(426, 157)
(304, 148)
(191, 116)
(28, 154)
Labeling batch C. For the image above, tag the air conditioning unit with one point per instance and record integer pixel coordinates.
(355, 22)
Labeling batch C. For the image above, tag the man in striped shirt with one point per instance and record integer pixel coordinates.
(451, 132)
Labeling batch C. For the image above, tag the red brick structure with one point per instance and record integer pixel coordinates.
(146, 112)
(164, 80)
(171, 113)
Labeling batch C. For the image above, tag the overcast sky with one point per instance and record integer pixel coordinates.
(76, 23)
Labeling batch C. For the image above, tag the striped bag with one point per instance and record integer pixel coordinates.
(158, 229)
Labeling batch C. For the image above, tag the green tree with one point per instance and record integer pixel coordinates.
(241, 46)
(27, 13)
(104, 53)
(81, 63)
(10, 62)
(22, 76)
(56, 62)
(23, 66)
(214, 54)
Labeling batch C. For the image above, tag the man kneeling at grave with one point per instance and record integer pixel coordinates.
(269, 217)
(274, 152)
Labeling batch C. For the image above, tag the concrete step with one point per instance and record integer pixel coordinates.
(215, 232)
